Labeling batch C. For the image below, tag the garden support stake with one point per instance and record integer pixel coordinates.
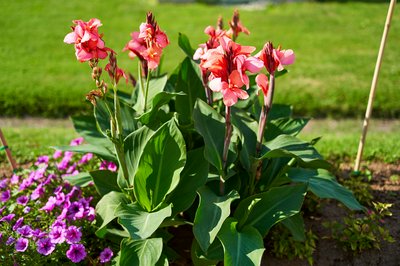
(8, 152)
(373, 86)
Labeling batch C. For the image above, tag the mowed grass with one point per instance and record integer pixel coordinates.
(336, 46)
(339, 142)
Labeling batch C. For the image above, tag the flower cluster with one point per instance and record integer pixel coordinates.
(42, 216)
(148, 43)
(87, 40)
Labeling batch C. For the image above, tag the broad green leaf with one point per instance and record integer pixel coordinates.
(159, 100)
(188, 82)
(163, 261)
(241, 247)
(139, 223)
(264, 210)
(211, 126)
(86, 127)
(105, 181)
(80, 180)
(210, 215)
(292, 147)
(160, 165)
(134, 146)
(184, 44)
(280, 111)
(295, 224)
(324, 185)
(140, 252)
(214, 254)
(106, 206)
(100, 151)
(287, 126)
(193, 176)
(156, 85)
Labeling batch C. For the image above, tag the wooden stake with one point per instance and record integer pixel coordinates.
(8, 152)
(373, 86)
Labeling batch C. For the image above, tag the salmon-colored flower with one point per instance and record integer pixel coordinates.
(236, 27)
(87, 40)
(262, 83)
(114, 71)
(148, 43)
(275, 59)
(231, 90)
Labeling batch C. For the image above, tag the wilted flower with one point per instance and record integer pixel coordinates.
(87, 40)
(236, 26)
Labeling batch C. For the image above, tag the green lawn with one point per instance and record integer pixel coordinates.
(339, 138)
(335, 43)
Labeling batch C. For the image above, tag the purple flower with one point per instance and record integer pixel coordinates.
(7, 218)
(44, 246)
(76, 253)
(5, 196)
(75, 211)
(73, 235)
(86, 158)
(112, 167)
(106, 255)
(57, 235)
(18, 223)
(39, 174)
(71, 169)
(51, 203)
(2, 209)
(27, 182)
(22, 200)
(27, 209)
(42, 159)
(21, 245)
(38, 192)
(60, 196)
(103, 165)
(91, 214)
(14, 179)
(60, 223)
(4, 183)
(57, 154)
(25, 231)
(10, 241)
(37, 233)
(76, 142)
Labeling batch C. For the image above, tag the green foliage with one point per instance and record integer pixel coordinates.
(284, 245)
(361, 189)
(360, 233)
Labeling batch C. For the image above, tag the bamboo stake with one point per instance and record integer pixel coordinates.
(8, 152)
(373, 86)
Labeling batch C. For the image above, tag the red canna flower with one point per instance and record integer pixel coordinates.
(262, 83)
(87, 40)
(236, 27)
(148, 43)
(275, 59)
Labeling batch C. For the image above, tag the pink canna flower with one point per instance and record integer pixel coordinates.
(148, 43)
(236, 27)
(87, 40)
(231, 90)
(262, 83)
(275, 59)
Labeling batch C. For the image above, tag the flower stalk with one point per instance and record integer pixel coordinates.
(227, 141)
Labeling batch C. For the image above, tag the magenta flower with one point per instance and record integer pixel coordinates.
(60, 223)
(10, 241)
(21, 245)
(76, 253)
(25, 231)
(57, 235)
(38, 192)
(73, 235)
(86, 158)
(27, 209)
(76, 142)
(148, 43)
(22, 200)
(75, 211)
(106, 255)
(37, 233)
(51, 203)
(87, 40)
(4, 183)
(18, 223)
(7, 218)
(42, 160)
(57, 154)
(14, 179)
(5, 196)
(44, 246)
(91, 214)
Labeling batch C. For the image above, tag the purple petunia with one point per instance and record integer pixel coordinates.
(106, 255)
(37, 233)
(76, 211)
(14, 179)
(21, 245)
(38, 192)
(76, 142)
(27, 209)
(18, 223)
(86, 158)
(76, 253)
(23, 200)
(57, 235)
(10, 241)
(57, 154)
(5, 196)
(42, 160)
(73, 234)
(44, 246)
(51, 203)
(7, 218)
(4, 183)
(25, 231)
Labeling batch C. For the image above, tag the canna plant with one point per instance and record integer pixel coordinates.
(204, 147)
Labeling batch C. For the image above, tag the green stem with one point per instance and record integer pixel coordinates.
(147, 91)
(228, 135)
